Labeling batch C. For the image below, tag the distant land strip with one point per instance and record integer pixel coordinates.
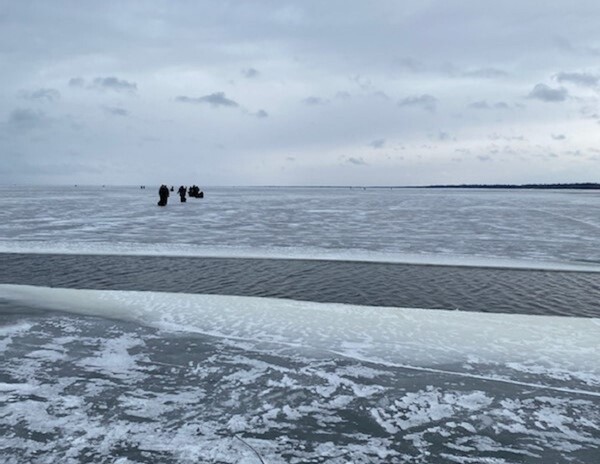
(572, 186)
(576, 186)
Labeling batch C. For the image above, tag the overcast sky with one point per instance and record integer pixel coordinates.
(299, 93)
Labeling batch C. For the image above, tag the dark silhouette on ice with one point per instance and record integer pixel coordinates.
(181, 193)
(163, 193)
(194, 191)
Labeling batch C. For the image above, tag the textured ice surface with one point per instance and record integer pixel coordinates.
(531, 229)
(123, 377)
(94, 389)
(562, 350)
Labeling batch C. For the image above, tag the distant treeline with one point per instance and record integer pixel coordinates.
(579, 186)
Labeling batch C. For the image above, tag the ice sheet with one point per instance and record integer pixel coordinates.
(559, 348)
(281, 381)
(530, 229)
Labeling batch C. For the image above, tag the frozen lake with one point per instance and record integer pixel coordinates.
(540, 229)
(299, 325)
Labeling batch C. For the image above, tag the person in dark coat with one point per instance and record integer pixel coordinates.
(163, 193)
(181, 193)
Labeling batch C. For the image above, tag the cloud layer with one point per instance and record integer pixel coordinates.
(214, 99)
(353, 92)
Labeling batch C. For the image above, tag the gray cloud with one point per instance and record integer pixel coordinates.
(43, 94)
(410, 64)
(283, 52)
(314, 101)
(362, 82)
(582, 79)
(484, 105)
(77, 82)
(415, 66)
(517, 138)
(379, 143)
(479, 105)
(104, 83)
(425, 101)
(548, 94)
(590, 112)
(580, 49)
(357, 161)
(485, 73)
(381, 95)
(26, 119)
(250, 73)
(562, 43)
(113, 83)
(115, 111)
(343, 95)
(559, 136)
(214, 99)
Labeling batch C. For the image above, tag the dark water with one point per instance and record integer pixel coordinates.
(377, 284)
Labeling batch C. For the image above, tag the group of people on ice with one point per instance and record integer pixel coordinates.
(193, 191)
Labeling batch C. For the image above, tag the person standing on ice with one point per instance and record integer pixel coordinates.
(181, 193)
(163, 193)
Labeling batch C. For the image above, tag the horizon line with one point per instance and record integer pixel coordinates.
(548, 185)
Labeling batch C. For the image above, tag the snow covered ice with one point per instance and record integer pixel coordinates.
(536, 229)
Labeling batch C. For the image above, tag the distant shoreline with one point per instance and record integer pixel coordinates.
(576, 186)
(571, 186)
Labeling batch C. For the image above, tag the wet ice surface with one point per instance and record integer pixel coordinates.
(489, 227)
(85, 389)
(211, 378)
